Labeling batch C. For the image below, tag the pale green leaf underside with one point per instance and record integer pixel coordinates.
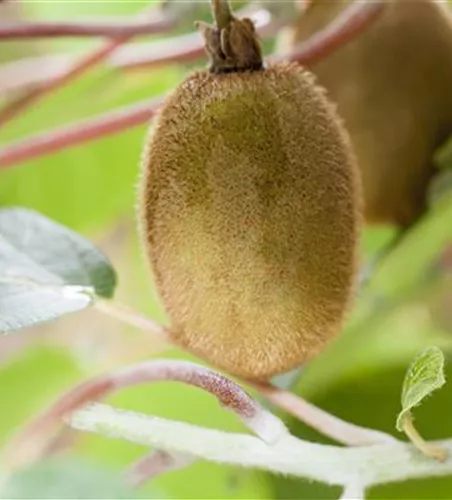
(425, 375)
(46, 270)
(67, 478)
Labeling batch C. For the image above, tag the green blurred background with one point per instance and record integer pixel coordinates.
(92, 189)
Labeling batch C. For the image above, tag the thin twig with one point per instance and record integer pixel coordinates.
(183, 48)
(180, 49)
(32, 71)
(14, 107)
(117, 121)
(351, 22)
(62, 441)
(31, 443)
(37, 71)
(80, 132)
(131, 317)
(156, 22)
(324, 422)
(27, 73)
(79, 67)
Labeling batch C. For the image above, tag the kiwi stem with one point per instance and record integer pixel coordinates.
(428, 449)
(131, 317)
(221, 11)
(320, 420)
(325, 423)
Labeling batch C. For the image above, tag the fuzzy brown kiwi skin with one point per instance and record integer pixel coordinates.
(250, 217)
(392, 86)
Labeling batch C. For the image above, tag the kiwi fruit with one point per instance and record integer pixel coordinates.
(250, 208)
(392, 85)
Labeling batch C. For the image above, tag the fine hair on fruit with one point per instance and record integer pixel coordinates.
(250, 209)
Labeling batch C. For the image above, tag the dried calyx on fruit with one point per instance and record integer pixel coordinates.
(392, 84)
(250, 209)
(232, 44)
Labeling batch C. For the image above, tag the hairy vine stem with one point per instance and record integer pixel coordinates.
(348, 467)
(325, 423)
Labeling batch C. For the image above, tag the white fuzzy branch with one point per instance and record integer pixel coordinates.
(353, 491)
(333, 465)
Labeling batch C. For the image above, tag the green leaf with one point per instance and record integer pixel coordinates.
(66, 478)
(46, 270)
(425, 375)
(371, 399)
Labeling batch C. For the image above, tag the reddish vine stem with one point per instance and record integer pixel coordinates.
(78, 133)
(31, 444)
(180, 49)
(35, 71)
(39, 71)
(354, 20)
(349, 24)
(13, 108)
(82, 65)
(325, 423)
(30, 72)
(184, 48)
(87, 28)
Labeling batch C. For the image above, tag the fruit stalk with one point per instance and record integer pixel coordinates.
(222, 14)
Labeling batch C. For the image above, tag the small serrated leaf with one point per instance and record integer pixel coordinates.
(46, 270)
(425, 375)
